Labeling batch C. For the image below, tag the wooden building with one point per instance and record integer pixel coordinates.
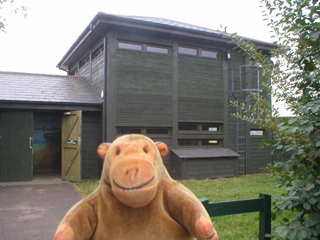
(169, 80)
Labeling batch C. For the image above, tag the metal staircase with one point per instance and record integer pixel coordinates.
(245, 79)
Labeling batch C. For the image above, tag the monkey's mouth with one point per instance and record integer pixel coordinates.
(132, 188)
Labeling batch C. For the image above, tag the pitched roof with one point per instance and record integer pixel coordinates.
(184, 26)
(102, 20)
(169, 22)
(27, 87)
(205, 153)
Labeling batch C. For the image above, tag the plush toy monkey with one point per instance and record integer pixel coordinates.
(136, 199)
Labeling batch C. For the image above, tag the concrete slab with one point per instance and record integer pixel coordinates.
(33, 210)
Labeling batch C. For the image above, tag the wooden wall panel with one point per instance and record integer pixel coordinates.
(236, 60)
(258, 157)
(200, 89)
(97, 72)
(91, 138)
(85, 72)
(144, 89)
(203, 168)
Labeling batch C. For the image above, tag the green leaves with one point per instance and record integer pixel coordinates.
(296, 82)
(314, 36)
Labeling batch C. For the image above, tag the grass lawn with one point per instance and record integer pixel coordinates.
(233, 227)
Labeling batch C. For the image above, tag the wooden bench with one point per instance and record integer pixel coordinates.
(261, 205)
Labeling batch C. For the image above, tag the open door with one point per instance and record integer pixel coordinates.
(71, 146)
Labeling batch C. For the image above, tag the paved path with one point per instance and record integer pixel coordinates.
(33, 210)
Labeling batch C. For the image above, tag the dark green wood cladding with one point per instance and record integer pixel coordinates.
(91, 138)
(258, 157)
(203, 168)
(16, 132)
(97, 69)
(237, 59)
(144, 89)
(93, 71)
(200, 94)
(110, 99)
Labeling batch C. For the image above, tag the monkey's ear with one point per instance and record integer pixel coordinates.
(163, 148)
(102, 149)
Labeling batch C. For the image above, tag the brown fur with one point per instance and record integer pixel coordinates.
(136, 199)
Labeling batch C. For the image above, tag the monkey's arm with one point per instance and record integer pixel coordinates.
(189, 211)
(80, 221)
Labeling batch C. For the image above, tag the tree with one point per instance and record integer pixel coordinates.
(295, 78)
(9, 7)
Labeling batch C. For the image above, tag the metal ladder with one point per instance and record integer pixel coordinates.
(241, 94)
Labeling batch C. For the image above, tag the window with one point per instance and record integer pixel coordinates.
(200, 134)
(209, 54)
(130, 46)
(201, 142)
(164, 131)
(188, 126)
(200, 127)
(209, 142)
(145, 130)
(188, 51)
(84, 61)
(97, 52)
(187, 142)
(211, 127)
(198, 52)
(157, 49)
(128, 130)
(143, 47)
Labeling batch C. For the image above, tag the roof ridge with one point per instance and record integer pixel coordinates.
(166, 21)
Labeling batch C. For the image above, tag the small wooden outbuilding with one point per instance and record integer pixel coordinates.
(48, 123)
(204, 163)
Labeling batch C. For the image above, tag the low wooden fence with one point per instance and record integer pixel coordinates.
(261, 205)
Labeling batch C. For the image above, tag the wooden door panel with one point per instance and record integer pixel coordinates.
(16, 153)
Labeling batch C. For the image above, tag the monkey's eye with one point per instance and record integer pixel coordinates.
(118, 152)
(145, 150)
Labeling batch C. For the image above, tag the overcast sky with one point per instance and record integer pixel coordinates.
(36, 44)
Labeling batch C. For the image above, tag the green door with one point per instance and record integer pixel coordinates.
(16, 133)
(71, 146)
